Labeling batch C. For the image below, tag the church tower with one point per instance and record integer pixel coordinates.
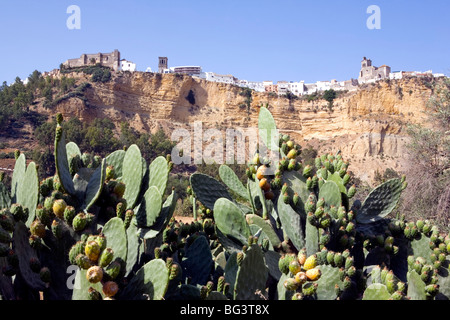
(162, 64)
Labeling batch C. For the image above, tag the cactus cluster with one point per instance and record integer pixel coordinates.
(293, 233)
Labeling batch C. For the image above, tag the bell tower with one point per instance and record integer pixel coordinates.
(162, 64)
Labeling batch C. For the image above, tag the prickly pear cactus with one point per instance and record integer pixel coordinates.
(132, 175)
(251, 275)
(208, 189)
(149, 283)
(198, 262)
(230, 220)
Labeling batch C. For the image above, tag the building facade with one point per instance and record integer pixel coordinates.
(163, 63)
(126, 65)
(189, 70)
(111, 60)
(370, 73)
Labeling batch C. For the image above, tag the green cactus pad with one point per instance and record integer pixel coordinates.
(81, 181)
(207, 189)
(230, 244)
(159, 174)
(268, 133)
(251, 275)
(95, 186)
(149, 208)
(230, 270)
(255, 194)
(420, 247)
(335, 177)
(132, 174)
(380, 201)
(116, 237)
(133, 243)
(72, 150)
(62, 165)
(444, 281)
(292, 223)
(230, 220)
(5, 199)
(271, 257)
(151, 280)
(20, 168)
(28, 192)
(232, 181)
(167, 210)
(24, 252)
(376, 291)
(198, 262)
(416, 287)
(312, 238)
(265, 226)
(115, 159)
(297, 184)
(327, 281)
(331, 193)
(260, 194)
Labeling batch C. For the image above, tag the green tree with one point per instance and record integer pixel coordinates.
(428, 175)
(100, 136)
(330, 95)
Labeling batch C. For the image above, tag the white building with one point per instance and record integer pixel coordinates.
(282, 87)
(323, 85)
(223, 78)
(257, 86)
(189, 70)
(297, 88)
(396, 75)
(126, 65)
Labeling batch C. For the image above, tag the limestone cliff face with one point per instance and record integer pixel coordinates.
(368, 125)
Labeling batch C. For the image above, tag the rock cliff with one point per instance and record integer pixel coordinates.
(368, 125)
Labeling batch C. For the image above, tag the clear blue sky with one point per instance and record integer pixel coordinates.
(255, 40)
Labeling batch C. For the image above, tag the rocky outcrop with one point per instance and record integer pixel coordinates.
(368, 126)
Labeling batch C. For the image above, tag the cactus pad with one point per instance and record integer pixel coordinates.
(62, 164)
(151, 280)
(115, 159)
(268, 133)
(265, 226)
(416, 287)
(95, 186)
(326, 283)
(149, 208)
(28, 192)
(20, 168)
(132, 174)
(116, 237)
(159, 174)
(380, 201)
(232, 181)
(376, 291)
(331, 193)
(198, 262)
(230, 220)
(251, 275)
(207, 189)
(25, 253)
(292, 223)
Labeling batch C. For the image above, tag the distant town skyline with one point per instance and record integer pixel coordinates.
(289, 40)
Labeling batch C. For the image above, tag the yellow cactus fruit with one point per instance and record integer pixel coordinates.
(313, 274)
